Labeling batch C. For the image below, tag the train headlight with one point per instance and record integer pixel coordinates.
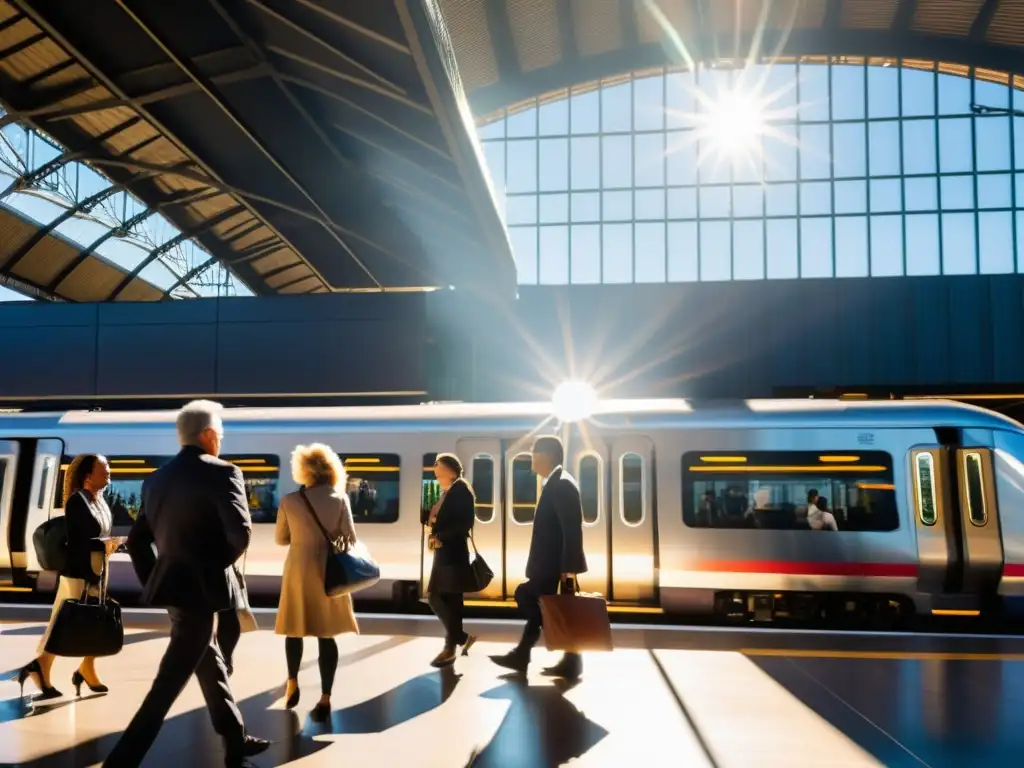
(573, 401)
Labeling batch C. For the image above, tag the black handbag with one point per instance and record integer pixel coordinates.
(482, 573)
(83, 628)
(51, 542)
(345, 571)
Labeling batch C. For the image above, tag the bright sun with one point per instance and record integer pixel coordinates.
(735, 123)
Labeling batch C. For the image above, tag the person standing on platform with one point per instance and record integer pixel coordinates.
(556, 555)
(194, 509)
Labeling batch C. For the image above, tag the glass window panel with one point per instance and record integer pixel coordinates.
(748, 250)
(492, 130)
(617, 108)
(524, 248)
(1018, 142)
(682, 203)
(372, 486)
(919, 146)
(554, 118)
(522, 124)
(650, 204)
(586, 206)
(886, 246)
(779, 81)
(618, 206)
(631, 470)
(851, 246)
(782, 249)
(617, 256)
(847, 92)
(780, 199)
(923, 244)
(958, 255)
(554, 209)
(955, 146)
(715, 251)
(851, 197)
(921, 194)
(991, 94)
(521, 173)
(884, 148)
(957, 192)
(649, 159)
(681, 157)
(1020, 242)
(157, 273)
(650, 252)
(815, 198)
(883, 91)
(81, 230)
(995, 231)
(525, 489)
(850, 141)
(714, 162)
(648, 103)
(554, 165)
(586, 253)
(715, 202)
(585, 161)
(749, 166)
(954, 95)
(522, 209)
(682, 252)
(616, 161)
(780, 154)
(918, 93)
(748, 200)
(680, 99)
(554, 255)
(585, 113)
(995, 191)
(815, 153)
(482, 472)
(1019, 185)
(816, 247)
(992, 142)
(814, 92)
(590, 487)
(886, 195)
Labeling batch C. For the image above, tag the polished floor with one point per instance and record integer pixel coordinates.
(689, 698)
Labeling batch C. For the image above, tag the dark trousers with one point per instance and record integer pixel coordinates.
(229, 630)
(449, 607)
(192, 650)
(528, 595)
(328, 660)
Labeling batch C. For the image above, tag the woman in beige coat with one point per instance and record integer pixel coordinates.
(305, 609)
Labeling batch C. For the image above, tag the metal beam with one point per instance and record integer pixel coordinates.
(366, 32)
(979, 29)
(28, 42)
(904, 17)
(211, 92)
(500, 28)
(174, 242)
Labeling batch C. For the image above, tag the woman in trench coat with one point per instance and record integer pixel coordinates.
(305, 610)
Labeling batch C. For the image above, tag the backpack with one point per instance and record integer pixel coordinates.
(51, 543)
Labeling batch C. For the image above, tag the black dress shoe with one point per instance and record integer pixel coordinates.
(569, 668)
(445, 658)
(250, 747)
(515, 660)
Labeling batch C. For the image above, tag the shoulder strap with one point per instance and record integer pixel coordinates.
(312, 512)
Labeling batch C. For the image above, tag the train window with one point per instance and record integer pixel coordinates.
(483, 486)
(44, 481)
(373, 486)
(589, 474)
(975, 492)
(776, 489)
(261, 474)
(430, 489)
(631, 488)
(925, 488)
(525, 489)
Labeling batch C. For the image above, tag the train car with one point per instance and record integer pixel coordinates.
(688, 507)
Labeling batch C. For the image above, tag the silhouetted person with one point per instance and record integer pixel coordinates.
(556, 555)
(194, 509)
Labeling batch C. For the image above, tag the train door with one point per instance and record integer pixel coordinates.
(633, 567)
(9, 450)
(35, 474)
(979, 521)
(482, 461)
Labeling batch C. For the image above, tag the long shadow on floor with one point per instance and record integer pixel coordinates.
(190, 738)
(541, 729)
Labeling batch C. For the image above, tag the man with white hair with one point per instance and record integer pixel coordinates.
(194, 509)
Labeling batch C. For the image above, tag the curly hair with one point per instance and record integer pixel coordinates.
(317, 464)
(79, 469)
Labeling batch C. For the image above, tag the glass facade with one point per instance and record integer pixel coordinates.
(23, 150)
(853, 169)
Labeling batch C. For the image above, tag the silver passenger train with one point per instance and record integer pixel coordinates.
(688, 508)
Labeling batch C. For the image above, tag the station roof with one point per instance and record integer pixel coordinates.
(511, 51)
(309, 146)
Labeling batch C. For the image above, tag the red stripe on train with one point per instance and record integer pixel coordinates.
(1013, 570)
(792, 568)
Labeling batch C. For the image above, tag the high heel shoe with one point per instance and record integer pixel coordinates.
(293, 700)
(320, 713)
(48, 691)
(78, 678)
(470, 639)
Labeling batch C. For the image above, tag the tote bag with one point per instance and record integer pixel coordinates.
(348, 569)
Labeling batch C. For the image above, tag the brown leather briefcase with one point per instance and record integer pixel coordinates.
(576, 622)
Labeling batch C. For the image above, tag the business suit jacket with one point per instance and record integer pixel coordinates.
(451, 571)
(556, 546)
(195, 510)
(85, 524)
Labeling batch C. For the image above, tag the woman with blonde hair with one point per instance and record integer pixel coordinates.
(320, 505)
(89, 522)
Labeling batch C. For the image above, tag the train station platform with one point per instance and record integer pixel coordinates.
(665, 697)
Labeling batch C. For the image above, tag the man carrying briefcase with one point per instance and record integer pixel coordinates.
(556, 556)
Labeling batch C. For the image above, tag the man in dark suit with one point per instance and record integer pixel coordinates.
(194, 509)
(556, 555)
